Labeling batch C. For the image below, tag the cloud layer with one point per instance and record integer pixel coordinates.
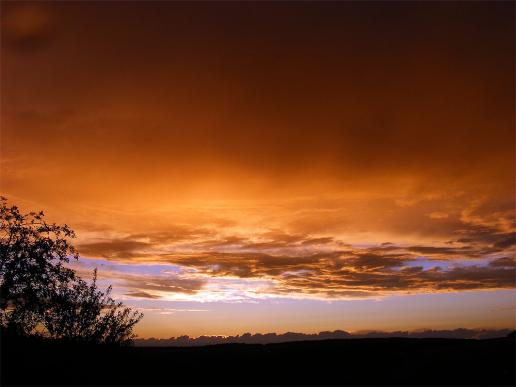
(301, 265)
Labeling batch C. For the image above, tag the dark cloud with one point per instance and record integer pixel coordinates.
(505, 240)
(338, 274)
(354, 272)
(376, 262)
(311, 105)
(27, 26)
(504, 262)
(431, 250)
(310, 265)
(166, 283)
(114, 249)
(142, 295)
(467, 278)
(221, 242)
(172, 234)
(318, 241)
(489, 235)
(278, 239)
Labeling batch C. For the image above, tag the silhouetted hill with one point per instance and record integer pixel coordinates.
(372, 361)
(267, 338)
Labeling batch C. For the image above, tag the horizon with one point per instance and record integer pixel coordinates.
(238, 167)
(273, 337)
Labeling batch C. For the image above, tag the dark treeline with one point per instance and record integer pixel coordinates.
(259, 338)
(366, 362)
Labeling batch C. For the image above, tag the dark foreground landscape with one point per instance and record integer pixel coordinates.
(389, 361)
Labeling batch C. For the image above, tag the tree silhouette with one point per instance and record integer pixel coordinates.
(82, 312)
(39, 295)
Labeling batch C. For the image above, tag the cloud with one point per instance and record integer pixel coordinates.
(141, 295)
(505, 240)
(312, 266)
(173, 233)
(317, 241)
(503, 262)
(27, 27)
(135, 284)
(468, 278)
(162, 284)
(172, 310)
(370, 261)
(145, 139)
(431, 250)
(114, 249)
(338, 275)
(438, 215)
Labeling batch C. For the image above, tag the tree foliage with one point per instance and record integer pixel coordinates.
(39, 295)
(81, 311)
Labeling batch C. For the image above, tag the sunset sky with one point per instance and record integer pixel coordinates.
(238, 167)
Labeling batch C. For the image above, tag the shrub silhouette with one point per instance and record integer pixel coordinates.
(82, 312)
(39, 295)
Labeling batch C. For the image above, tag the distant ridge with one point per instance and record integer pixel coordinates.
(259, 338)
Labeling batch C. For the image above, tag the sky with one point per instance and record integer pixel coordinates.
(259, 167)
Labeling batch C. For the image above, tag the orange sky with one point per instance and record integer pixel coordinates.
(237, 153)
